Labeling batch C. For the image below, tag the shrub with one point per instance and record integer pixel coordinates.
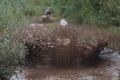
(11, 50)
(11, 54)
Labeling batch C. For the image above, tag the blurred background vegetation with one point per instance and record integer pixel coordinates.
(92, 12)
(17, 14)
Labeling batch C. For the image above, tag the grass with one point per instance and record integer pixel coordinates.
(15, 15)
(52, 25)
(100, 12)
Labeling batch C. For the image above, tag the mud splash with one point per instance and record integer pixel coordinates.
(109, 69)
(18, 75)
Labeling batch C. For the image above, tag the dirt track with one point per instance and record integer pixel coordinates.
(109, 69)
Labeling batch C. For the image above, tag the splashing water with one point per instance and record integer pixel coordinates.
(109, 69)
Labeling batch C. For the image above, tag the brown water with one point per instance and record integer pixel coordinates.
(108, 69)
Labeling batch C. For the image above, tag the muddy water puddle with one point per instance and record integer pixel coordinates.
(109, 69)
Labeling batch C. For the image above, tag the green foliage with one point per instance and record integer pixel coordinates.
(11, 13)
(14, 15)
(91, 12)
(37, 7)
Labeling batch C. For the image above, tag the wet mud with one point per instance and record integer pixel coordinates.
(107, 69)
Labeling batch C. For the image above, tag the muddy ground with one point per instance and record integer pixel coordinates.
(107, 69)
